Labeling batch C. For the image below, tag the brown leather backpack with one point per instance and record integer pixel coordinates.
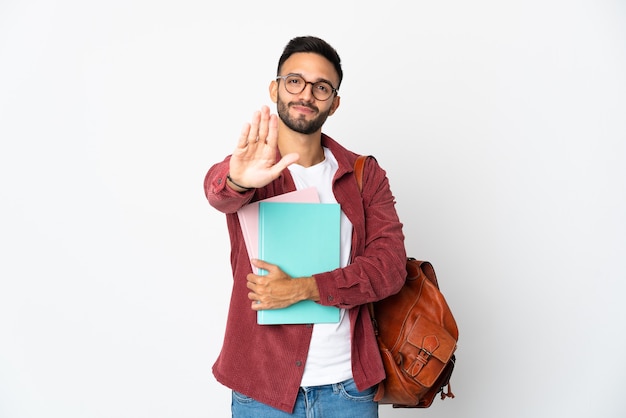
(416, 334)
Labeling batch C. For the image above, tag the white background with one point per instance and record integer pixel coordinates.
(502, 126)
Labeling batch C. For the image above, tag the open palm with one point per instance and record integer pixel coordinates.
(253, 162)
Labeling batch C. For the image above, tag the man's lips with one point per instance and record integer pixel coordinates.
(304, 109)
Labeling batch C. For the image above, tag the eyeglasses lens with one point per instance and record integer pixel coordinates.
(296, 84)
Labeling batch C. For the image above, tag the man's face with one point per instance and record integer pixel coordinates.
(302, 112)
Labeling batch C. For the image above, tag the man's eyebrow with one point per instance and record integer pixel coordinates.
(316, 81)
(326, 81)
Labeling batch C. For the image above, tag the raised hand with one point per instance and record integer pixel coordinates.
(253, 162)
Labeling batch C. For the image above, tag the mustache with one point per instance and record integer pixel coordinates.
(304, 104)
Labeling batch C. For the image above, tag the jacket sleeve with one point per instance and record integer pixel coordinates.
(219, 195)
(378, 266)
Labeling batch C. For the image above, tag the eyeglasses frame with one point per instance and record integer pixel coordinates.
(333, 89)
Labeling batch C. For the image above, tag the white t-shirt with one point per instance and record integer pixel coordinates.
(329, 353)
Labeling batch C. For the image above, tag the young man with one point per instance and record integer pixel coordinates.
(287, 370)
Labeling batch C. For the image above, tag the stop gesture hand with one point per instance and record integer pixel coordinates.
(253, 163)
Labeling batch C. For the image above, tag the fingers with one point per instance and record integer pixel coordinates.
(256, 301)
(262, 264)
(253, 284)
(243, 136)
(264, 124)
(261, 127)
(271, 138)
(253, 134)
(258, 126)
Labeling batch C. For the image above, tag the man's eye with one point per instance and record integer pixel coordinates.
(323, 87)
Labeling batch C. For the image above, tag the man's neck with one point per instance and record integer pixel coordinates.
(309, 147)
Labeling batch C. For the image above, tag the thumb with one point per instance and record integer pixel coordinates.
(261, 264)
(285, 162)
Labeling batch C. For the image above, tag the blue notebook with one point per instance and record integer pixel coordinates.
(302, 239)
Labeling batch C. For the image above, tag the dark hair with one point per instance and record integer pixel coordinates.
(314, 45)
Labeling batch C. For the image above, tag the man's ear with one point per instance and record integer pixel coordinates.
(274, 91)
(335, 105)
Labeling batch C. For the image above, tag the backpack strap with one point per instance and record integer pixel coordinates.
(359, 168)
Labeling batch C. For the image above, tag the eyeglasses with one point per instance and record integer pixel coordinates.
(295, 84)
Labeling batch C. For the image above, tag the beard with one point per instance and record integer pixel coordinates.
(300, 124)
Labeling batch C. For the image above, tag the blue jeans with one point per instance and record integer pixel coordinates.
(339, 400)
